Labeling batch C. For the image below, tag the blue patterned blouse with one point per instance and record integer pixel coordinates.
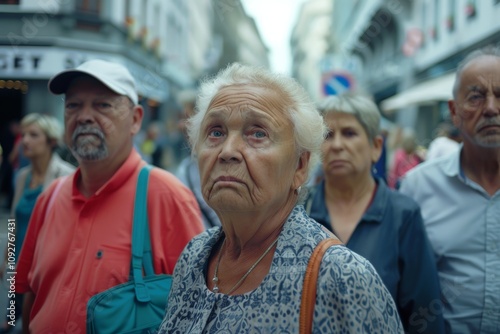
(351, 297)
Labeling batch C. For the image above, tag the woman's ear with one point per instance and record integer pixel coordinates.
(378, 144)
(300, 176)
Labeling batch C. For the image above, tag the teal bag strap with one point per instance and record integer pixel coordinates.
(140, 232)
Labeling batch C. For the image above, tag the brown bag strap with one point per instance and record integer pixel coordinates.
(310, 281)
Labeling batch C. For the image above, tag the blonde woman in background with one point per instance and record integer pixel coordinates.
(41, 135)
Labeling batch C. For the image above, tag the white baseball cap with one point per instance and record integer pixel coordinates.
(115, 76)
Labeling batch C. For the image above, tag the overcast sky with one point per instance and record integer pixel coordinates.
(275, 20)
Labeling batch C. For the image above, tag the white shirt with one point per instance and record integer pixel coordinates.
(440, 147)
(463, 224)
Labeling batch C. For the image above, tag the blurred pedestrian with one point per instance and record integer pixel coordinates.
(16, 157)
(9, 134)
(40, 137)
(377, 223)
(405, 158)
(460, 199)
(150, 148)
(255, 136)
(78, 244)
(446, 142)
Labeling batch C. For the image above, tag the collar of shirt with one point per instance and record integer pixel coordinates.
(374, 213)
(125, 171)
(452, 166)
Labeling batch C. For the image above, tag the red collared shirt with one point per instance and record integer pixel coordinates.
(83, 247)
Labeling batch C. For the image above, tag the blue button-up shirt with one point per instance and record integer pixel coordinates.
(463, 224)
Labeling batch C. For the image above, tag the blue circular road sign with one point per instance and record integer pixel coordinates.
(335, 83)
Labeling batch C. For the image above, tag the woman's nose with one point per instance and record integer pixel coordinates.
(336, 141)
(231, 148)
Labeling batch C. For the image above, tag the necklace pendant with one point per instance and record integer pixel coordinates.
(216, 281)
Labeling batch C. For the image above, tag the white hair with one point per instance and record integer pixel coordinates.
(309, 127)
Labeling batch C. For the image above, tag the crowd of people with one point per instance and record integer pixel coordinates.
(269, 175)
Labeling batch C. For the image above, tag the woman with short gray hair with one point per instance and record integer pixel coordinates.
(381, 225)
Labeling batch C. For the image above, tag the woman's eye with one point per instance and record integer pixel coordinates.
(349, 133)
(259, 134)
(216, 133)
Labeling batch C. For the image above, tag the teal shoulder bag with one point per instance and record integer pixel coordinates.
(137, 306)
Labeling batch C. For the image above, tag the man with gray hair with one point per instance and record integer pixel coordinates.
(460, 200)
(78, 242)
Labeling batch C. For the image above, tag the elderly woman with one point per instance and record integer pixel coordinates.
(382, 225)
(255, 136)
(41, 135)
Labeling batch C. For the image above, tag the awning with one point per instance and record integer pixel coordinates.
(438, 89)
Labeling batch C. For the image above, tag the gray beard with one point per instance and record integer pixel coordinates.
(89, 148)
(88, 152)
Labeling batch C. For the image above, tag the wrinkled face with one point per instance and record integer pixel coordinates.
(246, 151)
(35, 142)
(99, 123)
(347, 150)
(476, 109)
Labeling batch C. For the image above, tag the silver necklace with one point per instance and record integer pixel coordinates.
(215, 279)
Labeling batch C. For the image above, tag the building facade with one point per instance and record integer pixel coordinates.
(404, 53)
(310, 43)
(166, 45)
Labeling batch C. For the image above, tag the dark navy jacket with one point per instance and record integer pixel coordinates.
(392, 237)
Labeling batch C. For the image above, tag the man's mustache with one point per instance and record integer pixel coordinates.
(488, 122)
(87, 129)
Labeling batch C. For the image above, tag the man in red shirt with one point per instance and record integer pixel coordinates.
(79, 242)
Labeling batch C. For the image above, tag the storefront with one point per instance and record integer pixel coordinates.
(25, 71)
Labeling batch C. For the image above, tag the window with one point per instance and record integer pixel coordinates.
(128, 10)
(88, 6)
(470, 8)
(450, 18)
(88, 14)
(424, 21)
(435, 26)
